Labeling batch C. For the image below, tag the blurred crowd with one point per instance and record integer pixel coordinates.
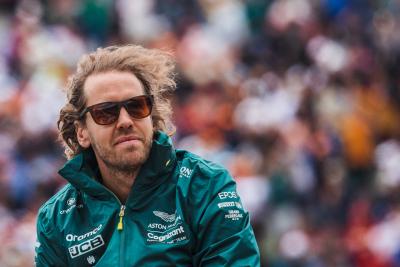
(299, 99)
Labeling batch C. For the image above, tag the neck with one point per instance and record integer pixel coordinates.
(119, 182)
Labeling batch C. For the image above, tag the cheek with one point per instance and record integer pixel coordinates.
(147, 127)
(99, 135)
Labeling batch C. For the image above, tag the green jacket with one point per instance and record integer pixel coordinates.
(181, 211)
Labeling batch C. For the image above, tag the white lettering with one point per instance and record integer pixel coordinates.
(71, 237)
(86, 246)
(70, 208)
(223, 195)
(226, 204)
(162, 238)
(157, 226)
(234, 215)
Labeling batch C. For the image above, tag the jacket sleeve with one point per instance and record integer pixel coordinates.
(224, 236)
(47, 248)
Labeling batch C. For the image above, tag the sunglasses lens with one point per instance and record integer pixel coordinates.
(139, 107)
(105, 114)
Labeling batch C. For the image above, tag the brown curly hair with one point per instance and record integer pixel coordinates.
(154, 68)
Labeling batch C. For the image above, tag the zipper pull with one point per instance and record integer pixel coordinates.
(121, 215)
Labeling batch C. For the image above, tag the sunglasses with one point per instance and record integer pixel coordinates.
(138, 107)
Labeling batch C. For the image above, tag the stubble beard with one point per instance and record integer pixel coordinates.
(124, 162)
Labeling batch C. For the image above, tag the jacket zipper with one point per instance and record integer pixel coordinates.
(120, 228)
(122, 246)
(121, 216)
(121, 211)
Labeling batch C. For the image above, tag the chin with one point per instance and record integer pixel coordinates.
(128, 156)
(134, 158)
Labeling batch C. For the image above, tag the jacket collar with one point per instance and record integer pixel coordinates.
(83, 173)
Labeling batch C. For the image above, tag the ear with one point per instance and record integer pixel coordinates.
(82, 134)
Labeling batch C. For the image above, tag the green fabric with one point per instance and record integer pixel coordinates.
(182, 211)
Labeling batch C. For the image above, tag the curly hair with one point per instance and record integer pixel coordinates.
(155, 69)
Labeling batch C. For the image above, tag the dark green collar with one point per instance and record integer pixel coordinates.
(83, 173)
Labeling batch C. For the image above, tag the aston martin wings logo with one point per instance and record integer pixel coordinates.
(165, 216)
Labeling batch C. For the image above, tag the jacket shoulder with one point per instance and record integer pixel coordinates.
(64, 198)
(197, 174)
(203, 166)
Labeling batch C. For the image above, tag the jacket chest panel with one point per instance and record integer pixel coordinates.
(148, 232)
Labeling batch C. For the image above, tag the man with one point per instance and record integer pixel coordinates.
(132, 199)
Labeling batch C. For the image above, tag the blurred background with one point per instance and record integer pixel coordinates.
(299, 99)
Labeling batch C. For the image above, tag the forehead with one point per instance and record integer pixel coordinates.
(111, 86)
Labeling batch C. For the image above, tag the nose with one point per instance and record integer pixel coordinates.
(124, 119)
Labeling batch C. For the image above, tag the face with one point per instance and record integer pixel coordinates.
(125, 144)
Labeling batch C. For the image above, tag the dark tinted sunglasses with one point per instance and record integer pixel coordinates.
(138, 107)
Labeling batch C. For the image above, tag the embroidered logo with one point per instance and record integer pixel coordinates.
(86, 247)
(170, 231)
(71, 201)
(91, 260)
(185, 172)
(165, 216)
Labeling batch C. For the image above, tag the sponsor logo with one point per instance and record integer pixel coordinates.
(70, 208)
(230, 194)
(161, 238)
(86, 247)
(71, 201)
(226, 204)
(185, 172)
(166, 233)
(71, 237)
(234, 215)
(164, 227)
(230, 204)
(158, 226)
(165, 216)
(91, 260)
